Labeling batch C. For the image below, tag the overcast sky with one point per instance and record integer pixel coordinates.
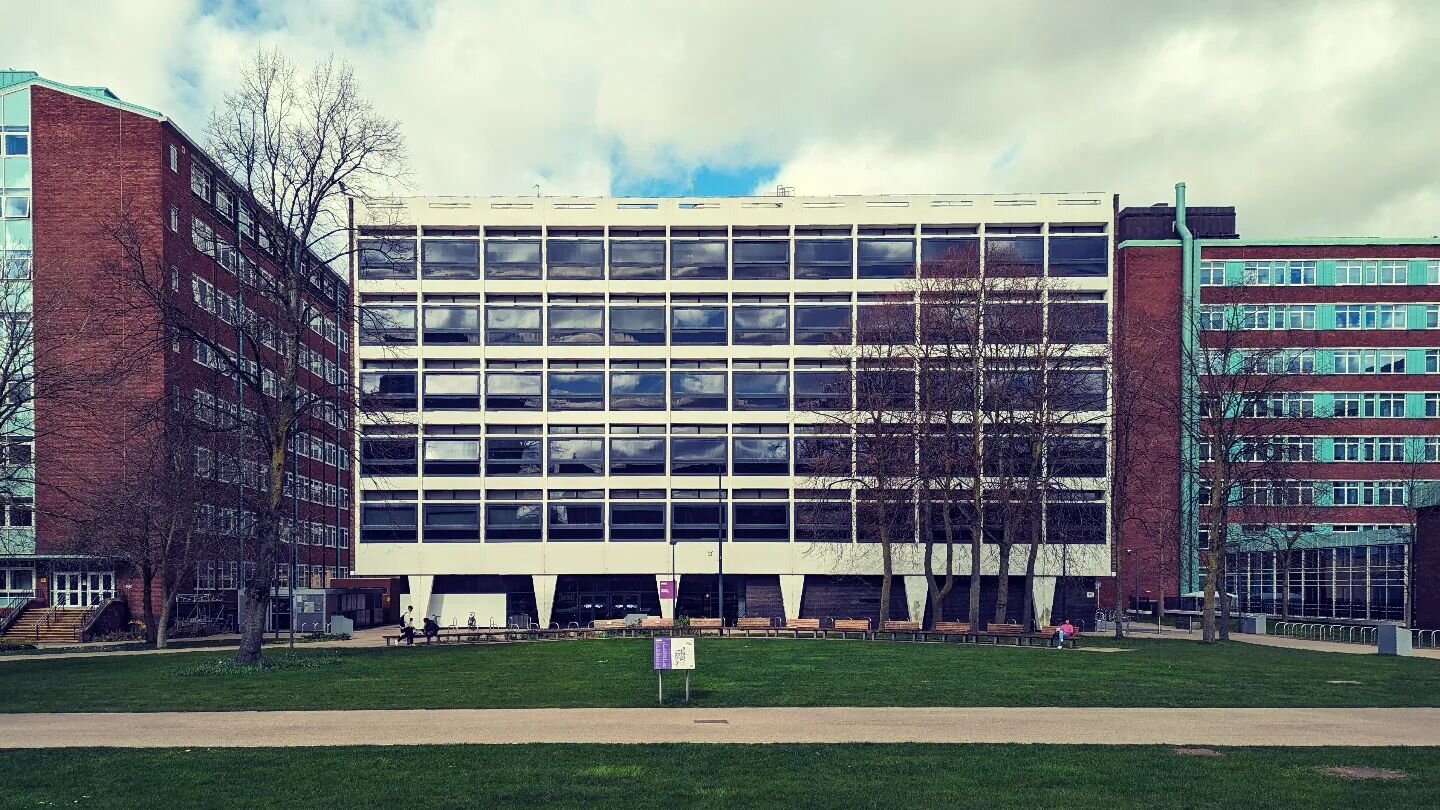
(1311, 118)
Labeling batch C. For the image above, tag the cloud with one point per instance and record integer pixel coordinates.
(1313, 120)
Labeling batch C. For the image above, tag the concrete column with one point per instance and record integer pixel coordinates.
(419, 598)
(917, 591)
(544, 596)
(667, 606)
(1042, 595)
(792, 588)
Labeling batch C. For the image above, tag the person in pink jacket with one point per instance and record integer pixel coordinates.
(1067, 630)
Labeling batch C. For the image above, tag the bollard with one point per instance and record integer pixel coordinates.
(1393, 639)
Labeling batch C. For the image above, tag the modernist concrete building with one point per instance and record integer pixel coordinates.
(567, 399)
(73, 158)
(1347, 326)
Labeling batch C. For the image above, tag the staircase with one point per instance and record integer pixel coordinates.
(45, 625)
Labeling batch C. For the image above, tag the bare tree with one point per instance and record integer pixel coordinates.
(152, 516)
(1242, 414)
(298, 145)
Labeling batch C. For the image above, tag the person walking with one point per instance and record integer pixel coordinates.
(1067, 630)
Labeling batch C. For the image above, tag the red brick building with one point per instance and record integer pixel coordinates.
(1348, 326)
(75, 159)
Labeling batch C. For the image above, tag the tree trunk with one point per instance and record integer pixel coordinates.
(1119, 594)
(1002, 580)
(1284, 573)
(147, 610)
(976, 535)
(936, 609)
(162, 632)
(1029, 610)
(887, 565)
(1224, 598)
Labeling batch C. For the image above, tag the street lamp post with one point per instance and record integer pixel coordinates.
(1135, 594)
(720, 542)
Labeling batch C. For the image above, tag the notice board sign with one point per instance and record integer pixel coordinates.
(674, 653)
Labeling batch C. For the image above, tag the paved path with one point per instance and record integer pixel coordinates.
(1296, 727)
(369, 637)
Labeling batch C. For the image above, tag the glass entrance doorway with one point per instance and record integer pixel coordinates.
(81, 588)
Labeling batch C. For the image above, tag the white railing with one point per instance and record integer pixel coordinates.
(1425, 638)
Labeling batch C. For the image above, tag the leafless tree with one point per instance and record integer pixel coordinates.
(151, 515)
(297, 143)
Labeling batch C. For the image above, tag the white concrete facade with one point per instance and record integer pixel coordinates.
(787, 220)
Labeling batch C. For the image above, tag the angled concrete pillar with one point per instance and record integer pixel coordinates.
(917, 592)
(792, 589)
(419, 598)
(1042, 595)
(544, 596)
(667, 606)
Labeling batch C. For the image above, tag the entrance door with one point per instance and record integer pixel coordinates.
(81, 588)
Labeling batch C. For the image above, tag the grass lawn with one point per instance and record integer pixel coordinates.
(731, 672)
(670, 776)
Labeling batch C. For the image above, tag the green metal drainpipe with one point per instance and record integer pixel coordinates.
(1189, 550)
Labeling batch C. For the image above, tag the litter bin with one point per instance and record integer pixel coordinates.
(1393, 639)
(1253, 624)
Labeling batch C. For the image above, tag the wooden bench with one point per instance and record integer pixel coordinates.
(706, 624)
(847, 626)
(608, 624)
(657, 623)
(798, 626)
(995, 632)
(901, 626)
(748, 623)
(1048, 633)
(956, 628)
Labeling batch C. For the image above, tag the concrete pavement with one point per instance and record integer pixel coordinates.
(1105, 726)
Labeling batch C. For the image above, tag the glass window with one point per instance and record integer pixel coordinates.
(643, 326)
(762, 391)
(689, 456)
(1014, 323)
(637, 390)
(513, 391)
(577, 391)
(1079, 323)
(452, 456)
(887, 258)
(577, 456)
(387, 457)
(452, 522)
(448, 391)
(762, 259)
(824, 258)
(387, 258)
(701, 259)
(1079, 256)
(823, 521)
(388, 523)
(1019, 389)
(1075, 523)
(388, 390)
(570, 258)
(637, 522)
(950, 258)
(823, 325)
(1077, 456)
(1014, 255)
(697, 390)
(823, 455)
(387, 325)
(887, 324)
(512, 523)
(637, 456)
(17, 143)
(510, 456)
(512, 326)
(699, 521)
(512, 258)
(885, 389)
(452, 325)
(637, 260)
(762, 456)
(822, 391)
(761, 325)
(1077, 390)
(450, 258)
(577, 326)
(698, 326)
(762, 522)
(577, 522)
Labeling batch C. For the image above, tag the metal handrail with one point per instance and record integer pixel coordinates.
(14, 606)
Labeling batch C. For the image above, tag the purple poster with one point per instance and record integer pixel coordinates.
(662, 652)
(667, 589)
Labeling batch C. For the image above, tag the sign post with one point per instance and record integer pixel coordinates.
(673, 653)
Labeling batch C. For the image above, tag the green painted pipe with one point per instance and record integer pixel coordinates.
(1189, 557)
